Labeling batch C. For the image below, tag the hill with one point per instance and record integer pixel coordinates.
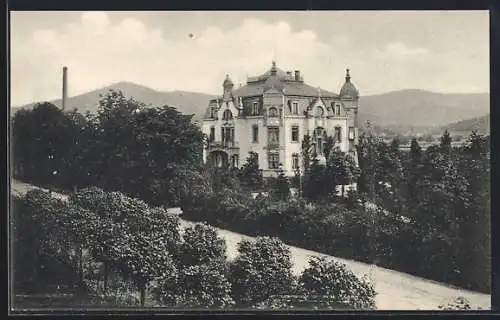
(186, 102)
(399, 109)
(418, 108)
(479, 124)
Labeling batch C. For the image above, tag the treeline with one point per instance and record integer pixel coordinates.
(118, 251)
(140, 150)
(445, 192)
(423, 212)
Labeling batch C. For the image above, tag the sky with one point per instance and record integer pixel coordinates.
(440, 51)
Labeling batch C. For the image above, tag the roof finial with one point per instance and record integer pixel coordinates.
(319, 91)
(347, 75)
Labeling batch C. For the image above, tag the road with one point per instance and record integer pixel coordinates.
(395, 290)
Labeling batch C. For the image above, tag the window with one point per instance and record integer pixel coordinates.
(319, 111)
(235, 161)
(351, 133)
(338, 134)
(227, 115)
(319, 145)
(227, 136)
(273, 112)
(337, 109)
(295, 108)
(273, 137)
(295, 134)
(212, 112)
(212, 134)
(274, 160)
(295, 161)
(255, 133)
(318, 140)
(255, 108)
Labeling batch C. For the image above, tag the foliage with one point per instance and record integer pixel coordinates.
(250, 173)
(201, 245)
(332, 280)
(459, 303)
(141, 151)
(198, 286)
(281, 186)
(262, 269)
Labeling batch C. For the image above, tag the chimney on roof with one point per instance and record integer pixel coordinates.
(297, 75)
(64, 87)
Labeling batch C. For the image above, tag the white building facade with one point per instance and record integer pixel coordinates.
(270, 116)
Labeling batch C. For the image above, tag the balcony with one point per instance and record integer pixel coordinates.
(273, 121)
(228, 122)
(223, 145)
(273, 145)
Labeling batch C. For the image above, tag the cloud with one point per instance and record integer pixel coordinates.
(98, 52)
(399, 49)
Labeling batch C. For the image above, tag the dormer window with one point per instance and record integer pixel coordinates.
(273, 112)
(212, 112)
(295, 108)
(255, 108)
(337, 109)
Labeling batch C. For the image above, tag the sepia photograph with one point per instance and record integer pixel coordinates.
(253, 161)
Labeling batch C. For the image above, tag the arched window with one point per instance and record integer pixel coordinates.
(319, 112)
(273, 112)
(227, 115)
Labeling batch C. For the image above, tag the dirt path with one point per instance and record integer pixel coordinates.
(395, 290)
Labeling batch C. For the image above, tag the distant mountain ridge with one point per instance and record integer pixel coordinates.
(479, 124)
(415, 108)
(186, 102)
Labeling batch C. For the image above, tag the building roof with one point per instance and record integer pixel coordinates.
(276, 80)
(349, 89)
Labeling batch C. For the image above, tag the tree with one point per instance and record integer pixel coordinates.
(413, 173)
(140, 151)
(201, 245)
(281, 186)
(250, 173)
(307, 154)
(261, 270)
(445, 142)
(314, 182)
(42, 139)
(340, 170)
(335, 284)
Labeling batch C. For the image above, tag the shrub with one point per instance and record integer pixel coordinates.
(332, 280)
(459, 303)
(200, 245)
(261, 270)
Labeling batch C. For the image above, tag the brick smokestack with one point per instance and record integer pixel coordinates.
(65, 87)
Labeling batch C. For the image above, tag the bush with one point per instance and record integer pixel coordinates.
(200, 245)
(199, 286)
(261, 270)
(332, 280)
(459, 303)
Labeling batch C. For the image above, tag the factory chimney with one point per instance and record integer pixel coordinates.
(65, 88)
